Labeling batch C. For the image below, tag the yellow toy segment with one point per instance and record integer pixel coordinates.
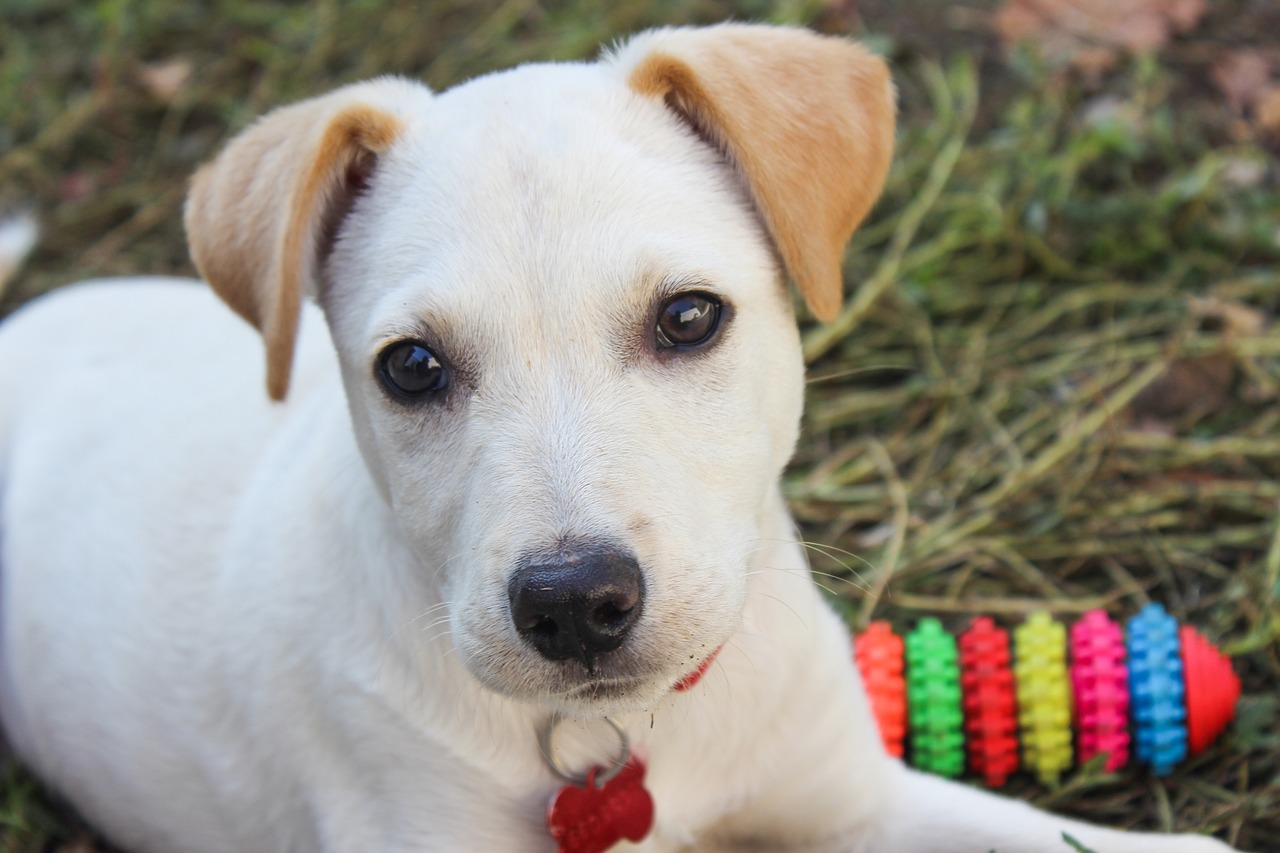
(1044, 696)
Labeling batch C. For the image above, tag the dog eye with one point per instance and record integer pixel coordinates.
(687, 319)
(410, 369)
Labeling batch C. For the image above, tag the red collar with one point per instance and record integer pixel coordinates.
(688, 682)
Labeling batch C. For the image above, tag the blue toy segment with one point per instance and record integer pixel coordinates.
(1157, 689)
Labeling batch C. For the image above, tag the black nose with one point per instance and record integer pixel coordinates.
(577, 602)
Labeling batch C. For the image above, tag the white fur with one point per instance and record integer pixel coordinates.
(233, 625)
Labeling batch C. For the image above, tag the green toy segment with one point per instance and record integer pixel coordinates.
(933, 700)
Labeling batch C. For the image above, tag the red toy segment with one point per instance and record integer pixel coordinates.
(1100, 686)
(1212, 689)
(879, 655)
(990, 706)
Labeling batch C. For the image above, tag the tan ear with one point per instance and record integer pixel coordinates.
(263, 214)
(808, 120)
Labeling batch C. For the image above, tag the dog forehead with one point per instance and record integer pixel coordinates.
(549, 109)
(549, 188)
(538, 150)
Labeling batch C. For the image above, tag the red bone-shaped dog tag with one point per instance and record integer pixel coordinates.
(592, 819)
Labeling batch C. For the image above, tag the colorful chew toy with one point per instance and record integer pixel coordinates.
(1164, 693)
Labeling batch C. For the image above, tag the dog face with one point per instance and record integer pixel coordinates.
(543, 275)
(571, 365)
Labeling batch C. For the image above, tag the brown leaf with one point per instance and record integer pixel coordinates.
(1194, 388)
(838, 18)
(77, 186)
(1266, 111)
(1185, 14)
(1241, 76)
(1236, 319)
(1190, 389)
(164, 80)
(1112, 111)
(1244, 172)
(1091, 34)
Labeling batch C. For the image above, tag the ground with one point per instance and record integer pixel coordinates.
(1056, 384)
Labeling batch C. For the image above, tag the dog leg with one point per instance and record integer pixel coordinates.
(931, 815)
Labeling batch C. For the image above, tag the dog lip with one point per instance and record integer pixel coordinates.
(606, 688)
(607, 683)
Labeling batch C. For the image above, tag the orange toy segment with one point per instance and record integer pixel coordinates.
(1212, 689)
(879, 655)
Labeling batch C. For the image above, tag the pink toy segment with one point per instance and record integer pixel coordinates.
(1100, 688)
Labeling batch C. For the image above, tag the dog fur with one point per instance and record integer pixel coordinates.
(233, 624)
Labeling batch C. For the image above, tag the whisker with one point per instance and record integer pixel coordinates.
(764, 594)
(856, 582)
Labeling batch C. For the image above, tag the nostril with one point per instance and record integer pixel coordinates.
(541, 627)
(534, 622)
(611, 615)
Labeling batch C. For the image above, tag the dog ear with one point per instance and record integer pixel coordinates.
(807, 120)
(262, 216)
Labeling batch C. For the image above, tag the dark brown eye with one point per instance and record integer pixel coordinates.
(409, 369)
(687, 320)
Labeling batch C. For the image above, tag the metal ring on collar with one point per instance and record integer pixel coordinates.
(545, 746)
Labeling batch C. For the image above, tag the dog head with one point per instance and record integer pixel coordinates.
(557, 297)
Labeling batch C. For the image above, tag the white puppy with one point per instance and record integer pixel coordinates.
(521, 464)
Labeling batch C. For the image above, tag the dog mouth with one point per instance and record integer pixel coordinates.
(598, 696)
(579, 691)
(609, 689)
